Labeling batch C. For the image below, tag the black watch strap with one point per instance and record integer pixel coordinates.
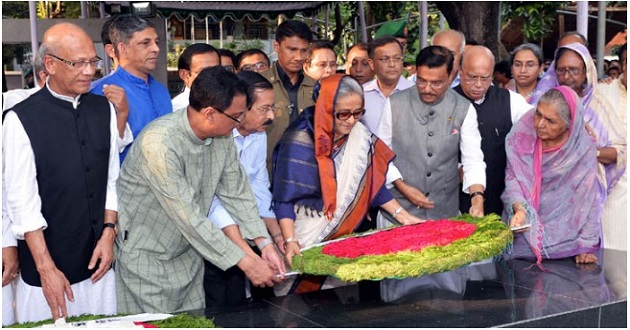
(476, 193)
(112, 226)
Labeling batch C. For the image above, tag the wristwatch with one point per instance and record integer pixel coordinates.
(112, 226)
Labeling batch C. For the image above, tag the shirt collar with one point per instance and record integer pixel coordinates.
(284, 77)
(133, 79)
(74, 100)
(195, 139)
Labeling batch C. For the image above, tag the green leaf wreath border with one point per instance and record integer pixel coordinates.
(490, 238)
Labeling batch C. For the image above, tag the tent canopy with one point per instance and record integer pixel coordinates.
(236, 10)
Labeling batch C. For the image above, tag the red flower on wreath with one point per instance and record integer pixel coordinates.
(404, 238)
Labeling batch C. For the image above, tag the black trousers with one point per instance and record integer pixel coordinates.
(223, 288)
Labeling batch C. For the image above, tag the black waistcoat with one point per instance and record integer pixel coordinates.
(71, 148)
(495, 121)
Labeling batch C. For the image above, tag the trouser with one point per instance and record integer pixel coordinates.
(223, 288)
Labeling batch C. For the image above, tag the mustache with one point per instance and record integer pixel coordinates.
(268, 122)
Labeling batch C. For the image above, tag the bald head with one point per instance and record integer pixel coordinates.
(70, 59)
(476, 71)
(475, 54)
(60, 36)
(454, 41)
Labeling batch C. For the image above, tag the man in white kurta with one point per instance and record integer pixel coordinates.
(610, 102)
(71, 67)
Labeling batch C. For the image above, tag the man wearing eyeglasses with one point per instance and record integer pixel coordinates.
(136, 46)
(252, 60)
(193, 59)
(431, 126)
(386, 60)
(293, 90)
(177, 165)
(321, 61)
(228, 60)
(60, 165)
(227, 288)
(497, 109)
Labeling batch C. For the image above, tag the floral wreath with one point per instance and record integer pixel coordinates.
(407, 251)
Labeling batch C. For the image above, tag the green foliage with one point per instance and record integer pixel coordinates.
(15, 9)
(177, 321)
(538, 17)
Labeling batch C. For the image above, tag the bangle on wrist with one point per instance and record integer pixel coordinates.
(289, 240)
(598, 153)
(398, 210)
(274, 236)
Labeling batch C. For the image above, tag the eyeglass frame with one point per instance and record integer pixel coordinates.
(356, 114)
(434, 85)
(229, 68)
(576, 71)
(229, 116)
(472, 80)
(395, 59)
(529, 65)
(257, 66)
(270, 108)
(75, 65)
(323, 65)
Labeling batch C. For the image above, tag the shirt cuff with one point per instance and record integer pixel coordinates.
(126, 140)
(393, 174)
(29, 224)
(219, 215)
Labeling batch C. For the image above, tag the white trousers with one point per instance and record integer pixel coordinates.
(89, 298)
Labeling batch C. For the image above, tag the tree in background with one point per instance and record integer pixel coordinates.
(537, 17)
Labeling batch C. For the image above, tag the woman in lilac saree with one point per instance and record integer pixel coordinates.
(573, 66)
(551, 182)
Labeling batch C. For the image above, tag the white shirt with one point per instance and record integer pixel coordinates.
(19, 176)
(15, 96)
(375, 101)
(469, 146)
(518, 105)
(252, 150)
(181, 101)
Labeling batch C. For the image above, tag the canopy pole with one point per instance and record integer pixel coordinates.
(207, 37)
(84, 13)
(192, 28)
(327, 21)
(442, 20)
(362, 19)
(582, 18)
(32, 12)
(601, 36)
(221, 33)
(424, 25)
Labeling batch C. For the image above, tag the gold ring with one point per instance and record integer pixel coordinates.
(14, 275)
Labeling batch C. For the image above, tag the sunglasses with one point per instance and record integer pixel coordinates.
(344, 115)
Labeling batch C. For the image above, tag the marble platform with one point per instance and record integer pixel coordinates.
(487, 294)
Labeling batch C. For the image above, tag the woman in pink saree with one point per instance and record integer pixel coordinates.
(551, 182)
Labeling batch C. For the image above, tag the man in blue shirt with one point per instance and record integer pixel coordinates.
(136, 45)
(227, 287)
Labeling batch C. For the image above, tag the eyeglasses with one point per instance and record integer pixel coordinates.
(571, 71)
(324, 65)
(267, 108)
(345, 115)
(238, 121)
(260, 66)
(527, 65)
(434, 84)
(386, 60)
(229, 68)
(79, 65)
(470, 80)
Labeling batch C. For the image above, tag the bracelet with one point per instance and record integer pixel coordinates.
(398, 210)
(476, 193)
(276, 235)
(597, 153)
(289, 240)
(263, 244)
